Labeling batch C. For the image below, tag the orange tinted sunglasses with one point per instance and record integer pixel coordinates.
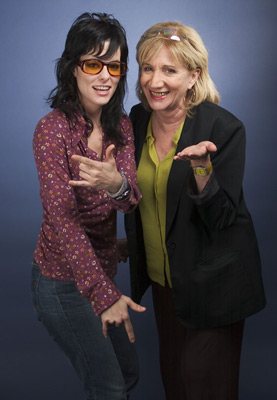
(94, 67)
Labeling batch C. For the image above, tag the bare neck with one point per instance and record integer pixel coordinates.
(164, 126)
(167, 122)
(95, 139)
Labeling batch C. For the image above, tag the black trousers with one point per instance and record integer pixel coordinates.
(196, 364)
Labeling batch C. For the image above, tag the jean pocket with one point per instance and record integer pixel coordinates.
(69, 296)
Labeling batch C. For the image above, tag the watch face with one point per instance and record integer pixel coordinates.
(203, 171)
(200, 171)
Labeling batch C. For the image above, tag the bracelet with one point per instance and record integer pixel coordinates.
(203, 171)
(123, 195)
(123, 191)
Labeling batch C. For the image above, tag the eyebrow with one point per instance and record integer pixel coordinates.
(100, 59)
(163, 66)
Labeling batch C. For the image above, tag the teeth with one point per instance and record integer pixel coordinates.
(101, 88)
(160, 94)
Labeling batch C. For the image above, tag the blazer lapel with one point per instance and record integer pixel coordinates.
(178, 175)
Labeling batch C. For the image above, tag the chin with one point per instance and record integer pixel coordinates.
(158, 107)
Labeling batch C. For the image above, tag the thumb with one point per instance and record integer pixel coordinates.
(211, 147)
(109, 153)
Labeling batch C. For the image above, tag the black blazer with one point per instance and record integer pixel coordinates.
(212, 248)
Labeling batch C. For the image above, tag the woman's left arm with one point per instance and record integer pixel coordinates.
(109, 173)
(200, 160)
(218, 199)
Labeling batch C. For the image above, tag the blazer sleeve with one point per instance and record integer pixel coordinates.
(219, 203)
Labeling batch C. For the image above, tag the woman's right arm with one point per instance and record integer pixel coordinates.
(60, 207)
(59, 204)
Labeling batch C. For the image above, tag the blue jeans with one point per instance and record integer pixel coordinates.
(109, 367)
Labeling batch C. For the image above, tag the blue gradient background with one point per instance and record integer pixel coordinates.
(241, 38)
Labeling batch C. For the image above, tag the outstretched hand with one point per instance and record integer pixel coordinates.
(98, 174)
(118, 314)
(197, 153)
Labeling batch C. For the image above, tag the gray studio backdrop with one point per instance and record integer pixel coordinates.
(241, 38)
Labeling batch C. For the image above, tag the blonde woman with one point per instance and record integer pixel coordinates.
(192, 237)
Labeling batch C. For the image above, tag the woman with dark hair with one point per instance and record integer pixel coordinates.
(75, 260)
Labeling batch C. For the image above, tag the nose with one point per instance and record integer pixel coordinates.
(104, 74)
(156, 79)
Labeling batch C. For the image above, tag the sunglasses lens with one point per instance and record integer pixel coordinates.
(169, 33)
(92, 67)
(116, 69)
(163, 32)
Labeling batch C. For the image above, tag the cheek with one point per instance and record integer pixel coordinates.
(115, 84)
(79, 80)
(143, 85)
(142, 79)
(182, 89)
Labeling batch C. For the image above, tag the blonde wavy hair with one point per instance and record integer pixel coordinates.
(190, 51)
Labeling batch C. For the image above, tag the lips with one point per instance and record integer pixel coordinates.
(101, 88)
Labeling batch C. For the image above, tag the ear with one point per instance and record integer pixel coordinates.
(194, 76)
(74, 71)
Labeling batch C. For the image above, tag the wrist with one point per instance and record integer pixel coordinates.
(201, 162)
(116, 184)
(123, 191)
(202, 170)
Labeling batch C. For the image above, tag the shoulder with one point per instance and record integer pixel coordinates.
(218, 125)
(140, 118)
(52, 131)
(126, 129)
(138, 111)
(215, 123)
(125, 123)
(52, 118)
(54, 121)
(215, 115)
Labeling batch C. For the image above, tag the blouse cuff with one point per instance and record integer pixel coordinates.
(102, 302)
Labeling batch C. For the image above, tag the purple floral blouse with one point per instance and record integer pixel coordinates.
(77, 240)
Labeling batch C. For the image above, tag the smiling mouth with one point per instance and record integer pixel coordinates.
(158, 95)
(101, 88)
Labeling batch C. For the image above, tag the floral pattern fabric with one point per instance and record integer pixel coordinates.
(77, 240)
